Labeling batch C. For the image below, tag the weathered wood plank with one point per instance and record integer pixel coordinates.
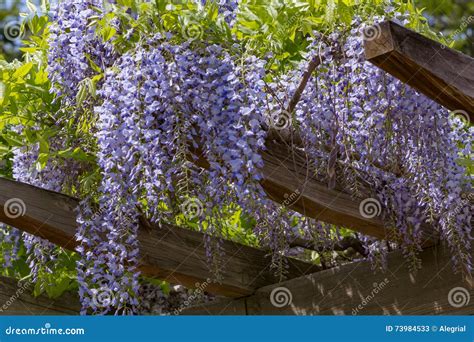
(441, 73)
(287, 180)
(354, 289)
(222, 307)
(286, 176)
(182, 259)
(168, 252)
(16, 299)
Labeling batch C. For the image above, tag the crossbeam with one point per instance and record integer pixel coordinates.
(16, 299)
(354, 289)
(286, 172)
(168, 252)
(443, 74)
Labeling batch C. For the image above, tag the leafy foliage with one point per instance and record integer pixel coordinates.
(116, 103)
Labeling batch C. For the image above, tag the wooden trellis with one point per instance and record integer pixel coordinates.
(178, 255)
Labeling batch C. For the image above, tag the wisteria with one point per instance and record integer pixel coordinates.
(167, 105)
(390, 139)
(11, 239)
(179, 127)
(55, 176)
(228, 9)
(74, 47)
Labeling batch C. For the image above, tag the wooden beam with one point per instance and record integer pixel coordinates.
(219, 307)
(354, 289)
(286, 176)
(168, 252)
(287, 180)
(441, 73)
(16, 299)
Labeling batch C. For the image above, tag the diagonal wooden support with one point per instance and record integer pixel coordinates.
(168, 252)
(286, 176)
(286, 172)
(287, 179)
(443, 74)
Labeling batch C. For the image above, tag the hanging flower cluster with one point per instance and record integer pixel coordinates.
(227, 8)
(373, 133)
(74, 46)
(180, 131)
(164, 109)
(57, 175)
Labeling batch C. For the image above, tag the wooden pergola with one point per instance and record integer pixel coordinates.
(178, 255)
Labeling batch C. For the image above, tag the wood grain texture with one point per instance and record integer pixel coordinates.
(287, 180)
(219, 307)
(168, 252)
(354, 289)
(178, 255)
(43, 213)
(16, 299)
(441, 73)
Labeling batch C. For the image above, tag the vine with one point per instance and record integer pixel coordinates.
(161, 112)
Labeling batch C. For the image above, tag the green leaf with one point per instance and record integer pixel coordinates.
(59, 287)
(13, 142)
(30, 135)
(4, 150)
(41, 77)
(23, 70)
(31, 7)
(44, 145)
(81, 94)
(94, 66)
(42, 161)
(108, 33)
(37, 291)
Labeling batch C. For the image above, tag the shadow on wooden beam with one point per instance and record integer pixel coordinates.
(168, 252)
(354, 289)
